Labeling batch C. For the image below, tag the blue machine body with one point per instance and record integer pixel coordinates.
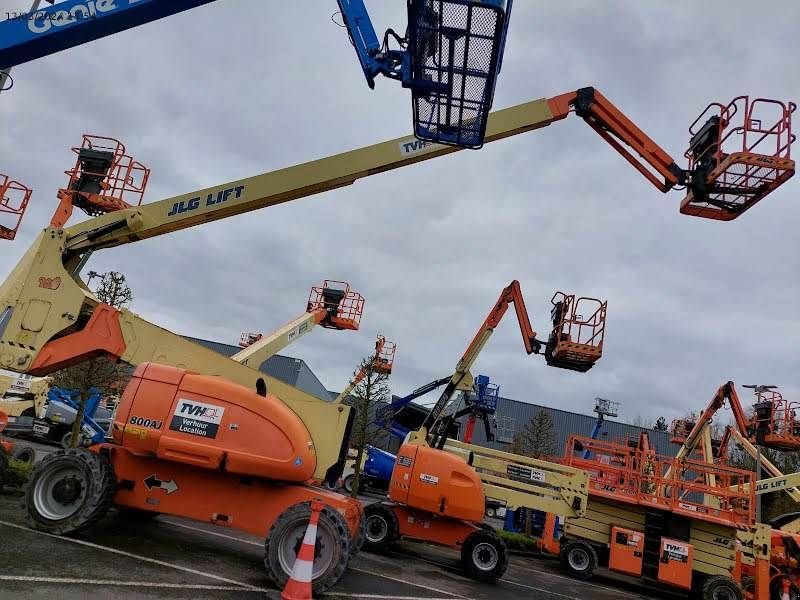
(379, 463)
(70, 398)
(486, 394)
(25, 37)
(450, 58)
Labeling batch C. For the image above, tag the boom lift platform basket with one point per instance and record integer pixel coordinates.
(774, 422)
(576, 342)
(457, 46)
(449, 58)
(383, 359)
(14, 198)
(738, 155)
(344, 305)
(104, 179)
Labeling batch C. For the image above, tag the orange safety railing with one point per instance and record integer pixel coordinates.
(775, 421)
(576, 341)
(679, 430)
(344, 305)
(743, 152)
(695, 488)
(104, 179)
(249, 338)
(384, 355)
(14, 198)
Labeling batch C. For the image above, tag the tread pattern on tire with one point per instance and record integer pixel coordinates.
(302, 510)
(587, 574)
(482, 536)
(720, 580)
(393, 533)
(99, 498)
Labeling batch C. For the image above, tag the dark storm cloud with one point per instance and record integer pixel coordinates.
(237, 88)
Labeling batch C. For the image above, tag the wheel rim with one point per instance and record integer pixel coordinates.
(578, 559)
(292, 540)
(348, 483)
(722, 593)
(60, 492)
(376, 529)
(485, 556)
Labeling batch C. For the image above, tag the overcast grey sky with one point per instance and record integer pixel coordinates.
(241, 87)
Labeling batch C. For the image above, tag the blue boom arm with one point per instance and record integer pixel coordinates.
(25, 37)
(394, 428)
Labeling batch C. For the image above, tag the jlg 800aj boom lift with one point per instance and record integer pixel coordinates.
(49, 320)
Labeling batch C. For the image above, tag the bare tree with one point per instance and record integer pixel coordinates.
(537, 439)
(660, 424)
(107, 376)
(370, 395)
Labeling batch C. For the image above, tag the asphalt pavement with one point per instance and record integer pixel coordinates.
(172, 557)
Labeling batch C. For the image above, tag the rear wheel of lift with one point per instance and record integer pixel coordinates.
(484, 555)
(331, 549)
(720, 587)
(69, 490)
(25, 454)
(579, 559)
(349, 482)
(381, 529)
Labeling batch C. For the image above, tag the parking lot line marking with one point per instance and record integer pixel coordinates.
(357, 569)
(377, 596)
(138, 557)
(222, 535)
(398, 580)
(538, 589)
(148, 584)
(597, 585)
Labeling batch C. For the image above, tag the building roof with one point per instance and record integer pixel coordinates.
(293, 371)
(512, 415)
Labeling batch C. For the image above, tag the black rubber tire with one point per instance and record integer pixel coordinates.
(720, 587)
(95, 494)
(348, 482)
(491, 512)
(331, 522)
(136, 515)
(381, 528)
(24, 454)
(489, 541)
(579, 559)
(776, 589)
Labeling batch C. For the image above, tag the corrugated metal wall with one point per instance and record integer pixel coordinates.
(512, 415)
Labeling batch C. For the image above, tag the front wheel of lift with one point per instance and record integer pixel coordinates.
(381, 529)
(720, 587)
(331, 548)
(484, 555)
(579, 559)
(69, 490)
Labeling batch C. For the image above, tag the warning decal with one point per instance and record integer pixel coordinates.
(196, 418)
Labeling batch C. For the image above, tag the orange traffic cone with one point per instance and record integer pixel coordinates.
(299, 585)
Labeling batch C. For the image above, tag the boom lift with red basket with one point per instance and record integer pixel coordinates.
(442, 498)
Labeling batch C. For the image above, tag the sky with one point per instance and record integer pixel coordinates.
(241, 87)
